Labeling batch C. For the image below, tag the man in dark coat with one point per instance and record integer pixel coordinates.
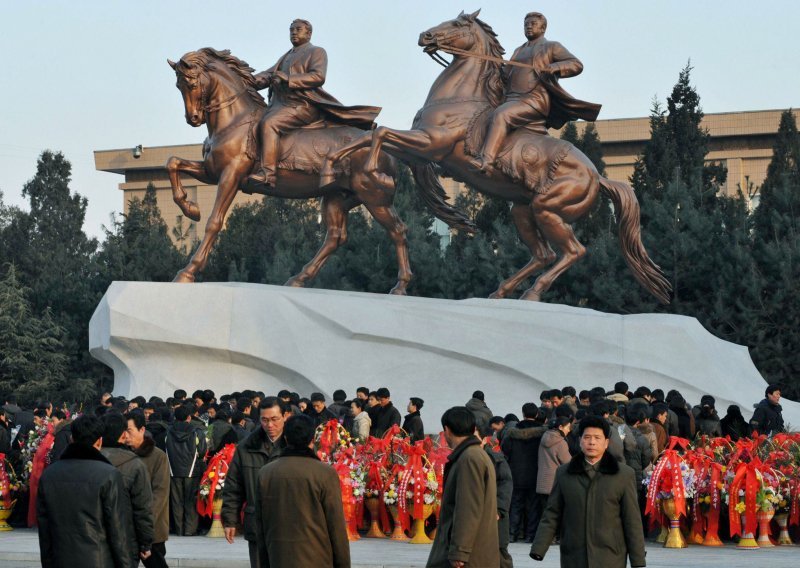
(593, 507)
(386, 414)
(241, 485)
(533, 96)
(467, 533)
(320, 413)
(412, 423)
(5, 433)
(158, 425)
(300, 506)
(521, 448)
(297, 98)
(340, 408)
(505, 488)
(768, 416)
(481, 412)
(136, 479)
(186, 448)
(158, 472)
(81, 506)
(733, 423)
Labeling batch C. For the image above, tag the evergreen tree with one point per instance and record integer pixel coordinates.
(137, 247)
(54, 257)
(32, 362)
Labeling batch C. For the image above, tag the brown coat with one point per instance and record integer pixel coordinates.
(553, 452)
(468, 517)
(300, 513)
(156, 463)
(598, 518)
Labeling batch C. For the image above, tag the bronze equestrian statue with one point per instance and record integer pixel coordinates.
(549, 182)
(219, 90)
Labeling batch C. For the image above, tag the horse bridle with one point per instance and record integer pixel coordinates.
(455, 34)
(207, 107)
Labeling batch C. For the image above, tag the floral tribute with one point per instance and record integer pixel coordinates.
(9, 484)
(213, 480)
(750, 477)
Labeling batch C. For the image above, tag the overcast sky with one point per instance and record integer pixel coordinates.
(88, 75)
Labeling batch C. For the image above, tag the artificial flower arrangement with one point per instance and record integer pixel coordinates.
(10, 485)
(213, 480)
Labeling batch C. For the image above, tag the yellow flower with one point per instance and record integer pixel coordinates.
(740, 507)
(782, 504)
(707, 499)
(211, 474)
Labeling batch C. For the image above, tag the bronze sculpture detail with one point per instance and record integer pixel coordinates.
(549, 183)
(219, 90)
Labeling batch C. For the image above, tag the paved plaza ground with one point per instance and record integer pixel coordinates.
(19, 548)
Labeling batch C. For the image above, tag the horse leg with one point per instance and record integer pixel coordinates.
(543, 255)
(326, 175)
(560, 233)
(226, 191)
(335, 208)
(421, 143)
(387, 216)
(193, 168)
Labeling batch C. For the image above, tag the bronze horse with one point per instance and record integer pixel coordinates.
(550, 183)
(218, 89)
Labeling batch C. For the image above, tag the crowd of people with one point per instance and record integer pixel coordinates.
(129, 471)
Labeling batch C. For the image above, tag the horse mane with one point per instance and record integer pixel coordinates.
(206, 55)
(492, 79)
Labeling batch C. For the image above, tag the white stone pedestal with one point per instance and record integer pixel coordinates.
(229, 336)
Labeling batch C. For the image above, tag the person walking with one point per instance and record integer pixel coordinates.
(553, 453)
(467, 535)
(481, 412)
(593, 507)
(299, 507)
(81, 506)
(505, 488)
(240, 494)
(155, 461)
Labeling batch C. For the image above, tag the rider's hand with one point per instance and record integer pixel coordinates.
(229, 532)
(280, 77)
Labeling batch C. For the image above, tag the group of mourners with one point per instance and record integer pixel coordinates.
(122, 478)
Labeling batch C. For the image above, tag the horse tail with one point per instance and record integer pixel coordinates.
(434, 196)
(626, 208)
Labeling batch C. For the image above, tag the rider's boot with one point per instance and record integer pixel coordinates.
(484, 165)
(262, 176)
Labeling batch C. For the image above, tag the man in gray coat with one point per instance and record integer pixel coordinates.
(468, 534)
(136, 480)
(593, 507)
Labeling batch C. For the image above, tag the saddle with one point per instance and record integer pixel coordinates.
(529, 155)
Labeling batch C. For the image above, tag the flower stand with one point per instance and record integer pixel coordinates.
(419, 527)
(4, 515)
(674, 537)
(783, 537)
(374, 507)
(397, 532)
(216, 530)
(764, 518)
(712, 522)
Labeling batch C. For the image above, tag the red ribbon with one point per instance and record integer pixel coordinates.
(218, 465)
(667, 477)
(746, 477)
(40, 461)
(414, 470)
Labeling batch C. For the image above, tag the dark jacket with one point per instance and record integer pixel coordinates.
(322, 417)
(505, 488)
(158, 431)
(482, 415)
(598, 519)
(523, 453)
(82, 512)
(468, 515)
(339, 410)
(62, 437)
(553, 453)
(241, 432)
(5, 438)
(186, 448)
(707, 423)
(241, 485)
(158, 470)
(300, 513)
(767, 419)
(137, 486)
(412, 424)
(640, 457)
(385, 417)
(222, 434)
(733, 424)
(686, 427)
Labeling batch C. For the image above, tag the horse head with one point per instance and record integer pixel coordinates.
(210, 80)
(459, 33)
(191, 76)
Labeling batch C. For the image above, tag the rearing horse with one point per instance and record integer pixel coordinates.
(218, 90)
(549, 182)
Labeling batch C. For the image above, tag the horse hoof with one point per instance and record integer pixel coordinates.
(531, 296)
(295, 282)
(398, 291)
(497, 295)
(183, 277)
(190, 209)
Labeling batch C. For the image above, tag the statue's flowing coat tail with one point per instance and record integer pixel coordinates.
(434, 196)
(626, 208)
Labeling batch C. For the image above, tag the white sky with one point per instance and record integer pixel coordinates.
(92, 75)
